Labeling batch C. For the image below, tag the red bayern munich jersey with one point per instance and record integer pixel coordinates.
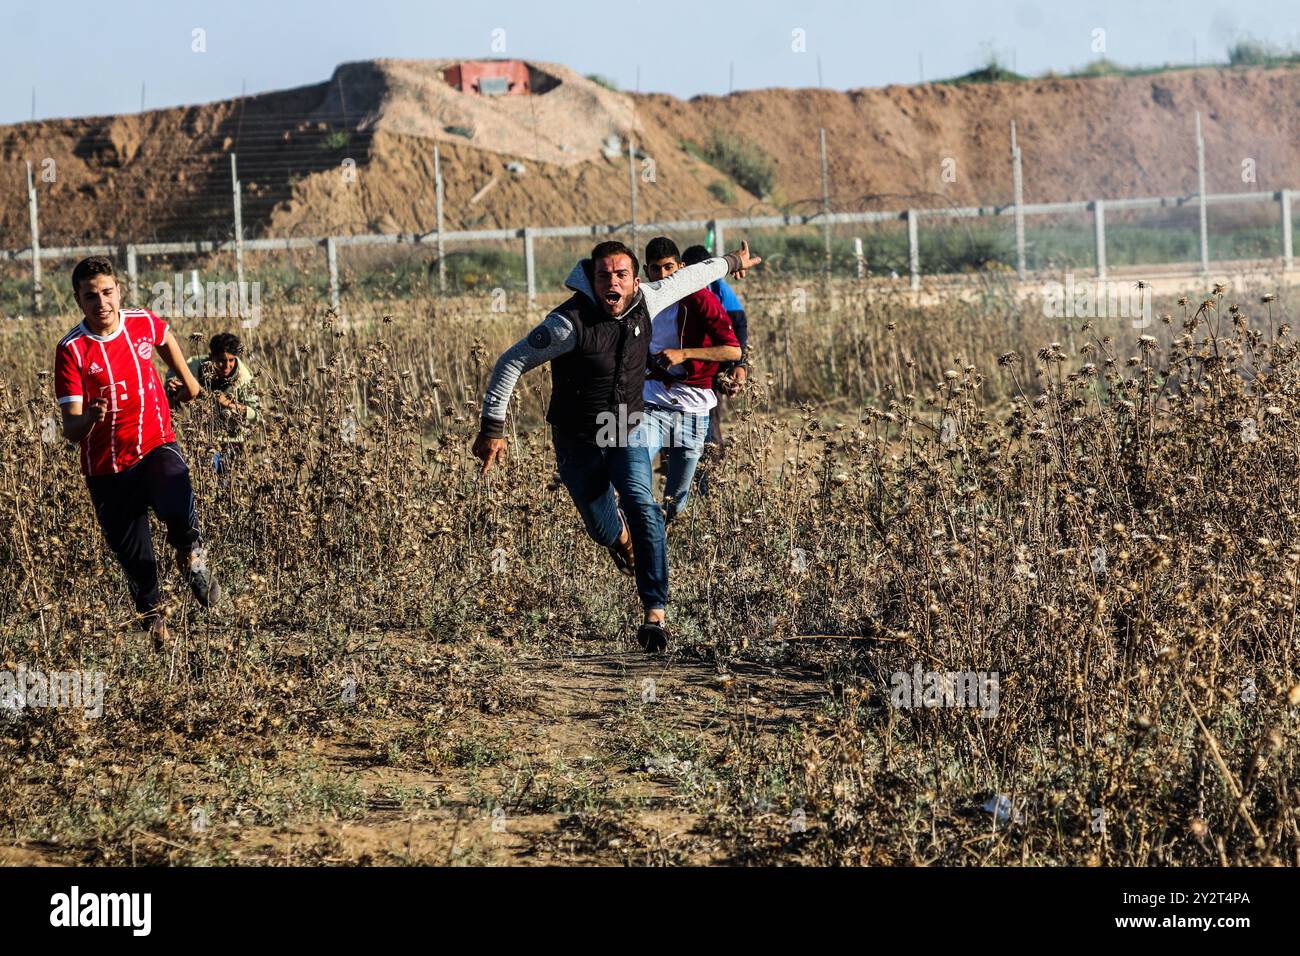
(118, 367)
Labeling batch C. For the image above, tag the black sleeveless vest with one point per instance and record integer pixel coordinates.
(604, 371)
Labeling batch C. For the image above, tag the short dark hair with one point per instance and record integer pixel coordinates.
(694, 254)
(224, 343)
(661, 247)
(89, 268)
(612, 247)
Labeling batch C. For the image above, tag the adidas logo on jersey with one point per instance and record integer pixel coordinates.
(95, 369)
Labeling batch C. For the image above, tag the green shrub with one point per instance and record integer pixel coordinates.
(994, 70)
(746, 163)
(601, 80)
(722, 192)
(1251, 52)
(1102, 67)
(481, 269)
(336, 140)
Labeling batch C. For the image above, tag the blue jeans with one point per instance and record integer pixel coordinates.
(681, 436)
(592, 474)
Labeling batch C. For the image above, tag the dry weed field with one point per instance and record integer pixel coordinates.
(416, 665)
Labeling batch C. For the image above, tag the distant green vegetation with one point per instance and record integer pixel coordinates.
(745, 162)
(336, 140)
(722, 192)
(1245, 52)
(1251, 52)
(993, 71)
(601, 80)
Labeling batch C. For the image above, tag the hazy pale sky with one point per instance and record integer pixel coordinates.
(89, 58)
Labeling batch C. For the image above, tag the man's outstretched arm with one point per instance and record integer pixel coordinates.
(548, 341)
(659, 295)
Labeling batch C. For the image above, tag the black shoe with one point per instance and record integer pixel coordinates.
(653, 637)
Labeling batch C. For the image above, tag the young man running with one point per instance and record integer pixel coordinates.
(687, 341)
(733, 374)
(226, 377)
(113, 406)
(597, 343)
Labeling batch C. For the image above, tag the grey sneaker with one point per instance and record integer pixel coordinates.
(203, 584)
(155, 625)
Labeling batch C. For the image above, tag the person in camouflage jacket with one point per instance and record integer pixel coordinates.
(226, 377)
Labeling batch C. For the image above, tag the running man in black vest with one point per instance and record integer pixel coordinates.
(598, 344)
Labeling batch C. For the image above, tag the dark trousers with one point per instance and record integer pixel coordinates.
(161, 481)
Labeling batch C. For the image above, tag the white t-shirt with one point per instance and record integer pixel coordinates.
(688, 398)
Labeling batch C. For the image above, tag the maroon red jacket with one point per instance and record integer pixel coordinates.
(702, 323)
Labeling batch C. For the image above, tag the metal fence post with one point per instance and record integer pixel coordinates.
(1287, 259)
(133, 275)
(913, 250)
(857, 255)
(1018, 189)
(332, 259)
(239, 230)
(36, 243)
(1200, 190)
(1099, 223)
(631, 173)
(530, 271)
(437, 189)
(826, 201)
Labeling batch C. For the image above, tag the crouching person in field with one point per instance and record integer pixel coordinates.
(687, 341)
(227, 379)
(597, 343)
(113, 406)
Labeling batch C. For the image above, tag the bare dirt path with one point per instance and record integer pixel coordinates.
(602, 755)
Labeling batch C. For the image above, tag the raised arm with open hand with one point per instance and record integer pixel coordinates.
(689, 279)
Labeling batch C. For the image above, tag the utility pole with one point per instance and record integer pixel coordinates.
(239, 229)
(36, 242)
(826, 201)
(437, 192)
(631, 175)
(1200, 189)
(1017, 185)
